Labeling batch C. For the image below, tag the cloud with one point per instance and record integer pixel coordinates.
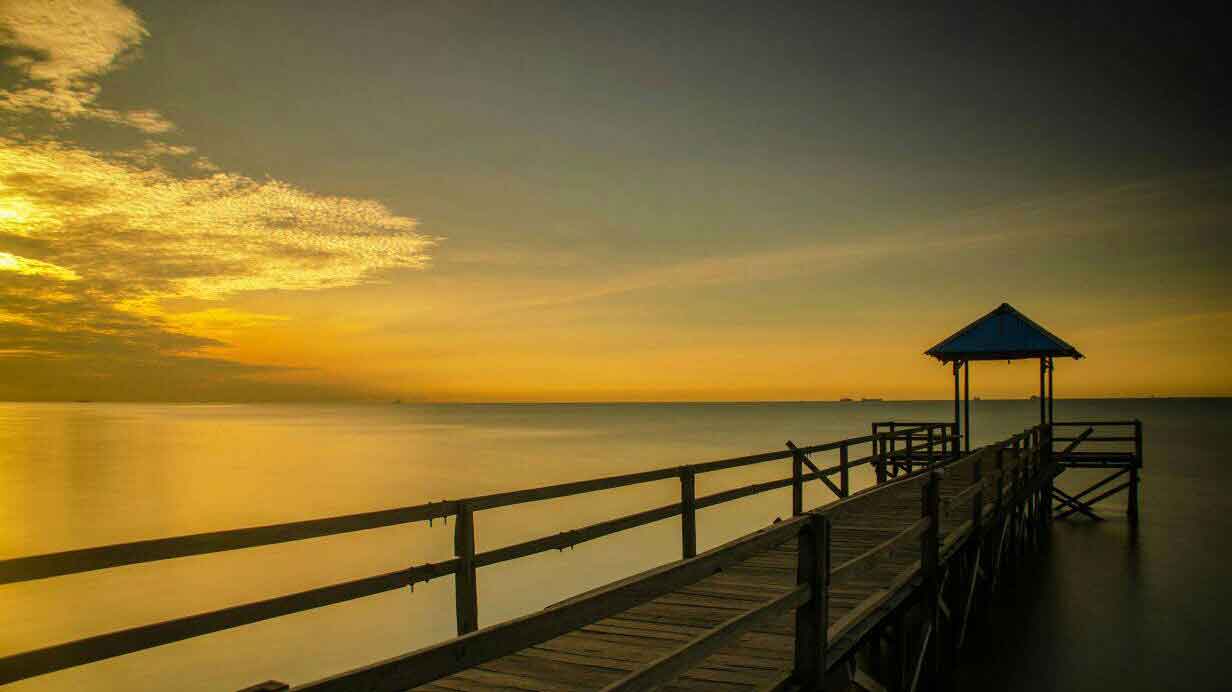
(94, 244)
(24, 265)
(61, 47)
(145, 232)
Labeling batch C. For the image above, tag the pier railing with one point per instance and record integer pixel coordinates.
(1002, 476)
(1118, 449)
(927, 440)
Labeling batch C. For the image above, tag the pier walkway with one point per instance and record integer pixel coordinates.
(873, 590)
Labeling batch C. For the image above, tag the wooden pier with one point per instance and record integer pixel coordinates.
(895, 572)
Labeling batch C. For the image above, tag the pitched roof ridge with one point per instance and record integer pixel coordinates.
(1059, 345)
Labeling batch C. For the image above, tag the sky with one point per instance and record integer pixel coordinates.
(575, 201)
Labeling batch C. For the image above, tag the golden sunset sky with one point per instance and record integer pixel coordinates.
(472, 201)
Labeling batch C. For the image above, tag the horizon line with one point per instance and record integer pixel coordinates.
(620, 402)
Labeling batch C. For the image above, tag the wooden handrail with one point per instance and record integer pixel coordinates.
(568, 539)
(667, 667)
(810, 595)
(90, 649)
(97, 648)
(67, 562)
(439, 660)
(21, 569)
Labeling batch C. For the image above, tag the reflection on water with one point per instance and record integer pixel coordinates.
(1114, 609)
(75, 475)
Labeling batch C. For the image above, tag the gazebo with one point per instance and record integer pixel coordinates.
(1003, 334)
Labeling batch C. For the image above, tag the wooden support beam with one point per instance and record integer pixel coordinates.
(1101, 496)
(800, 455)
(931, 588)
(1074, 442)
(813, 570)
(927, 647)
(1131, 509)
(1102, 482)
(1068, 501)
(972, 583)
(902, 650)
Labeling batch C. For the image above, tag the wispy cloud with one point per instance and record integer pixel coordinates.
(146, 232)
(93, 244)
(62, 47)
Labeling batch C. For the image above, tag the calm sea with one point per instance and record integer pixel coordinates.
(1107, 610)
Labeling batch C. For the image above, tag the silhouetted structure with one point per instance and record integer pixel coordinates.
(874, 587)
(1003, 334)
(1007, 334)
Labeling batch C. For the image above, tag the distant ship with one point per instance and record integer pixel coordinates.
(869, 398)
(846, 400)
(1033, 397)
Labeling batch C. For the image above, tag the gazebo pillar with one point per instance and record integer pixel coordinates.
(1052, 393)
(956, 443)
(1043, 398)
(966, 406)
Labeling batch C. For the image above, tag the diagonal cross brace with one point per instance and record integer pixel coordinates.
(807, 462)
(1074, 504)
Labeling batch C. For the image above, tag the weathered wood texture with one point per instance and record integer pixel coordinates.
(467, 559)
(874, 554)
(871, 536)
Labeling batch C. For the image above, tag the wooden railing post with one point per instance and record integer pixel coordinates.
(797, 484)
(977, 503)
(844, 474)
(879, 459)
(466, 595)
(928, 447)
(908, 452)
(812, 618)
(1131, 510)
(928, 667)
(688, 512)
(1045, 495)
(893, 448)
(1000, 462)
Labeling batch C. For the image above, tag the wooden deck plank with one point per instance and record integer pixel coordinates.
(601, 652)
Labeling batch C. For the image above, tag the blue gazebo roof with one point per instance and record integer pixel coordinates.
(1003, 334)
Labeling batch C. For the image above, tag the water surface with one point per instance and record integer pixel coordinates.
(77, 475)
